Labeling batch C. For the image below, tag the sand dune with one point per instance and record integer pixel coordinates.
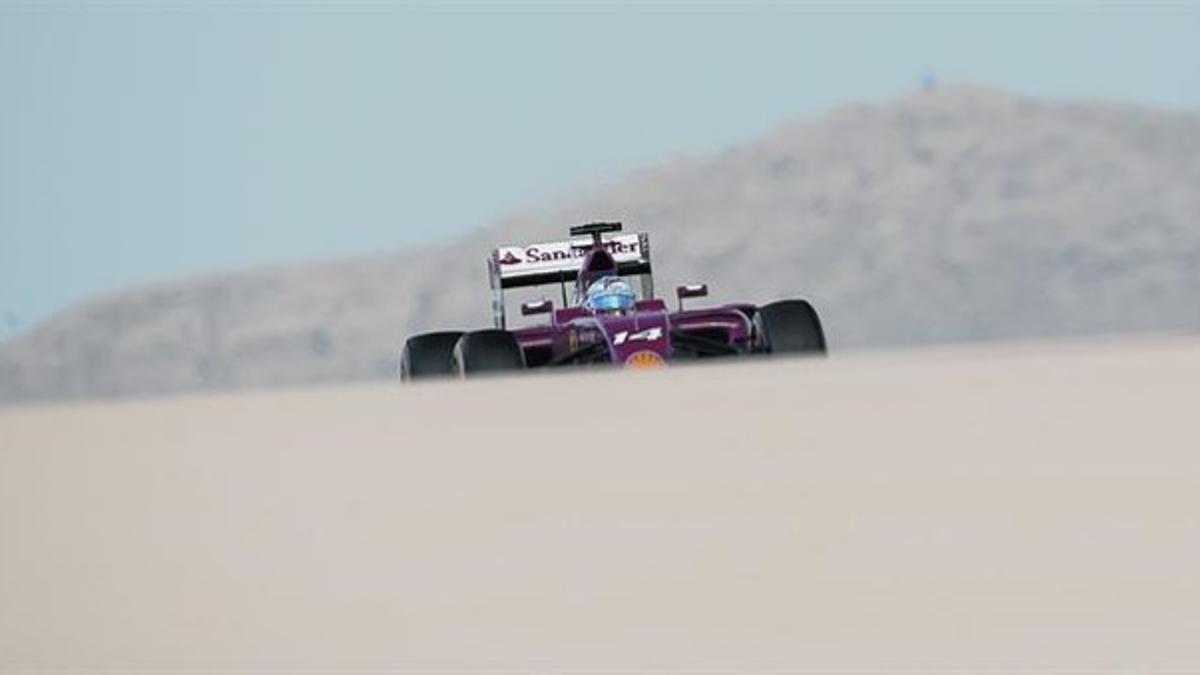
(992, 509)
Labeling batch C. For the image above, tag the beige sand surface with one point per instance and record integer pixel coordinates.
(1002, 509)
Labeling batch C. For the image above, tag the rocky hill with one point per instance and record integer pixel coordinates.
(956, 214)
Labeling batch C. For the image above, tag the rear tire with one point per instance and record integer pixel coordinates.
(428, 355)
(788, 327)
(487, 352)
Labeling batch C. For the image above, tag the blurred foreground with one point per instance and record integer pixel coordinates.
(1031, 506)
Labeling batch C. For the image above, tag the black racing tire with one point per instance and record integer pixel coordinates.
(428, 355)
(788, 327)
(486, 352)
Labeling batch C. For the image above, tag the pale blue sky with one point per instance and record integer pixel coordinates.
(141, 141)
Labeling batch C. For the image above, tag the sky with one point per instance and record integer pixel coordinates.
(146, 141)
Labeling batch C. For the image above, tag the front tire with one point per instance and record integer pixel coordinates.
(788, 327)
(428, 355)
(487, 352)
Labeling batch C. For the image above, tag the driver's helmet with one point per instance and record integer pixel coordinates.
(609, 294)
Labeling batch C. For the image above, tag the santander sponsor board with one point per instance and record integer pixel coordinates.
(562, 255)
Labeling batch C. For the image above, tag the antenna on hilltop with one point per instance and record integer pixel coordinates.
(928, 79)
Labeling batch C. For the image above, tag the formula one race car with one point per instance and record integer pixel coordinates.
(606, 321)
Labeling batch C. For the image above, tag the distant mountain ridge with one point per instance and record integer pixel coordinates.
(961, 213)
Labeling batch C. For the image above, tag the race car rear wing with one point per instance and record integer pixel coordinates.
(559, 263)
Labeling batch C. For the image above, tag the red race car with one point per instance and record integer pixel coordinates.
(608, 315)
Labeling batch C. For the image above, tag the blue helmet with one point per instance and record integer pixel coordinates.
(609, 294)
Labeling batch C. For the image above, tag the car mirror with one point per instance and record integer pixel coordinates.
(690, 291)
(532, 307)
